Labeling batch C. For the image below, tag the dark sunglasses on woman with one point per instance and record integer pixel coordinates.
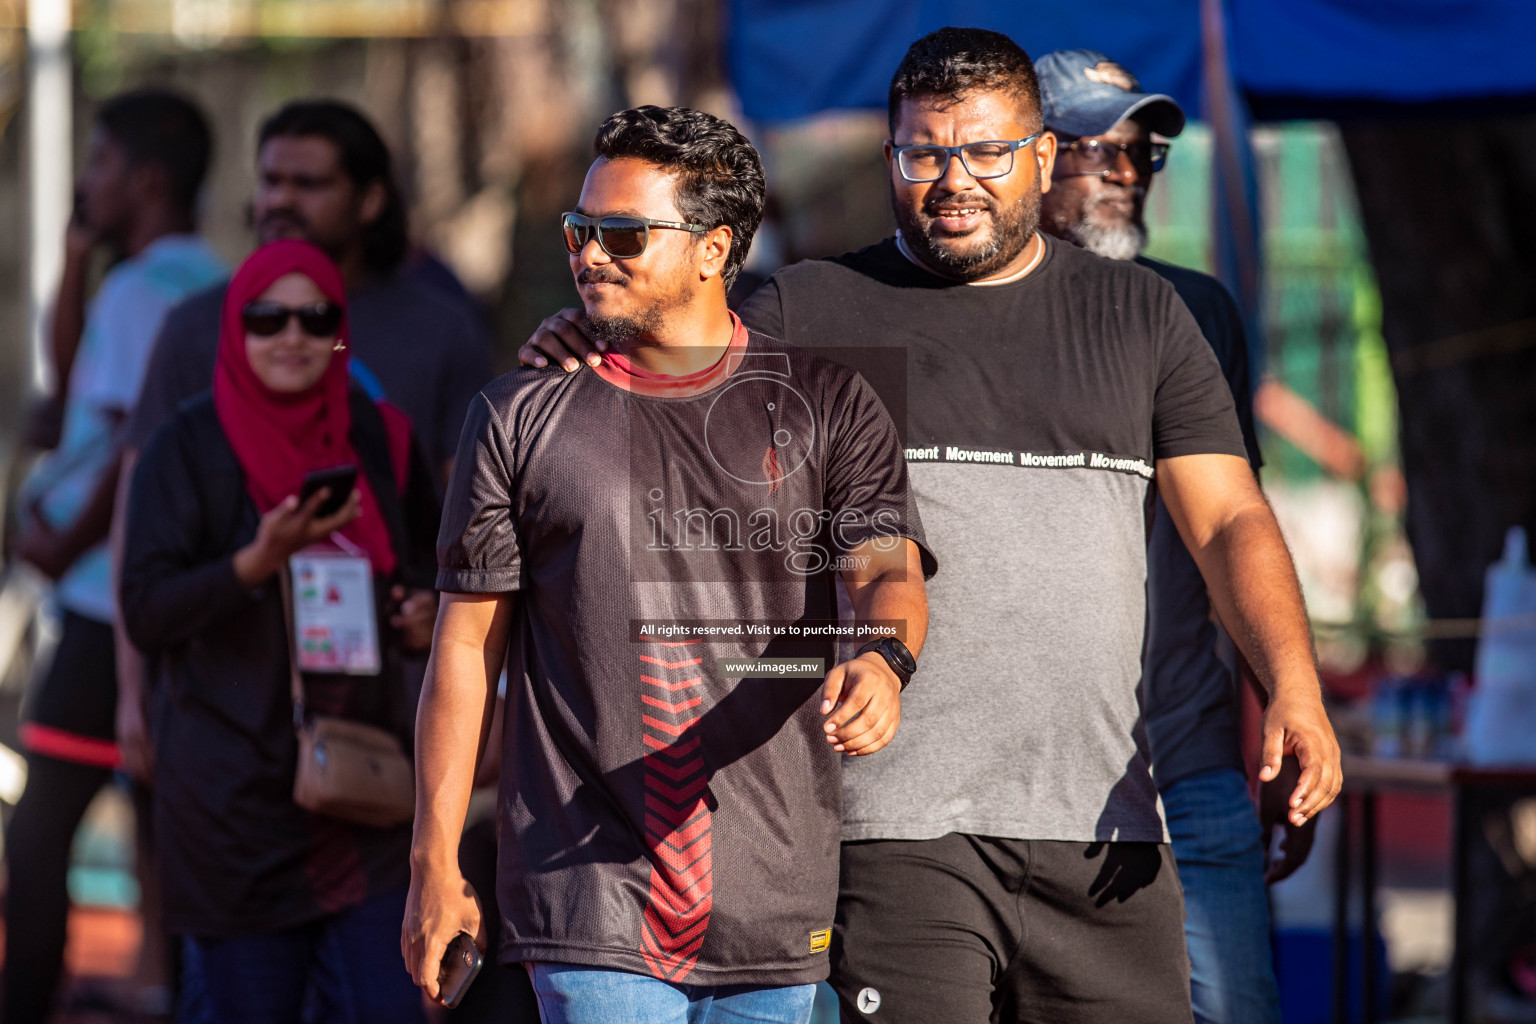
(621, 237)
(318, 319)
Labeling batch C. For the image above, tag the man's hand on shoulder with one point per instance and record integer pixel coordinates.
(863, 699)
(562, 338)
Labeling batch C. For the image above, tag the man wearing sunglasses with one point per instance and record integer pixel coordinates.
(619, 539)
(1109, 156)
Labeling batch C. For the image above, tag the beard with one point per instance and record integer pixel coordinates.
(1104, 233)
(617, 327)
(1012, 228)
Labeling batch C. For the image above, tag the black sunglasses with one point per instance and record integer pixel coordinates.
(622, 237)
(318, 319)
(1099, 156)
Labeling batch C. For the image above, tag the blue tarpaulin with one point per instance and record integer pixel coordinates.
(793, 58)
(1405, 51)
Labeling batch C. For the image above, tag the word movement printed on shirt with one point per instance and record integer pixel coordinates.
(1031, 460)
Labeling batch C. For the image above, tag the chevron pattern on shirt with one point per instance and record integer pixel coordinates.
(677, 816)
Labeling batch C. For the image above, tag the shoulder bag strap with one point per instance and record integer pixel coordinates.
(295, 680)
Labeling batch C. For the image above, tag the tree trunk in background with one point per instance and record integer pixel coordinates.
(1449, 208)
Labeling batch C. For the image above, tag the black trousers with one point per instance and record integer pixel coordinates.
(976, 930)
(37, 843)
(37, 896)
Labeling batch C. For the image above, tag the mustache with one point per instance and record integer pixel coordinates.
(601, 275)
(969, 201)
(286, 218)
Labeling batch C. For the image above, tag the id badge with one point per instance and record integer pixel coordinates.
(335, 619)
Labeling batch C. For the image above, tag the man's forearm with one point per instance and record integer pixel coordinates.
(94, 524)
(1253, 584)
(894, 593)
(68, 320)
(452, 723)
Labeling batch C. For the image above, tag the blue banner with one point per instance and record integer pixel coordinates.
(793, 58)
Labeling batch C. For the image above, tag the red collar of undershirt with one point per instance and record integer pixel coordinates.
(622, 373)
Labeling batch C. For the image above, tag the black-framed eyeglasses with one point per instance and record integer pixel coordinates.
(621, 236)
(990, 159)
(1098, 156)
(267, 319)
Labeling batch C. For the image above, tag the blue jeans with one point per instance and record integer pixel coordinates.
(1219, 849)
(588, 995)
(345, 968)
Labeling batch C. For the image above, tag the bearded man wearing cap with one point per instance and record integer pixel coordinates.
(1005, 859)
(1111, 144)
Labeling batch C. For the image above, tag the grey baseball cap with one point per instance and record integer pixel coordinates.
(1083, 92)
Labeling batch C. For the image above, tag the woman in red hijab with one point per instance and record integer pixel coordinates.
(277, 901)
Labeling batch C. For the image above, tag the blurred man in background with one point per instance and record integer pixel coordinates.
(1109, 151)
(137, 199)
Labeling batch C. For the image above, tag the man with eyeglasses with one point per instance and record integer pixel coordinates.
(620, 540)
(1110, 152)
(1005, 858)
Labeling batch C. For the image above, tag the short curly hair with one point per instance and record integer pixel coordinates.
(953, 61)
(719, 173)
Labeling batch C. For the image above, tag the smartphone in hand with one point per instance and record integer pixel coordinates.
(462, 961)
(340, 479)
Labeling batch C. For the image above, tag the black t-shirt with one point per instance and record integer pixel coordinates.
(1036, 410)
(658, 816)
(1190, 693)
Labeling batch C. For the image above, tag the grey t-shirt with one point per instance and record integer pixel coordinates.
(1035, 412)
(428, 354)
(1189, 691)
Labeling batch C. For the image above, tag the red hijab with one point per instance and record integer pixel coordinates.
(278, 438)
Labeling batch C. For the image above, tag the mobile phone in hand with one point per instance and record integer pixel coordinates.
(340, 479)
(462, 961)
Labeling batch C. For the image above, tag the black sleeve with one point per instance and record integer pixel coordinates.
(423, 517)
(1234, 366)
(1193, 412)
(467, 370)
(168, 379)
(867, 490)
(168, 593)
(477, 548)
(763, 311)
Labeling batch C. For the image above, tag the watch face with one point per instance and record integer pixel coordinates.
(902, 655)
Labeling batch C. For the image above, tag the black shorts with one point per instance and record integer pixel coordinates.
(969, 930)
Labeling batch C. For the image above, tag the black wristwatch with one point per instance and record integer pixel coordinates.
(896, 655)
